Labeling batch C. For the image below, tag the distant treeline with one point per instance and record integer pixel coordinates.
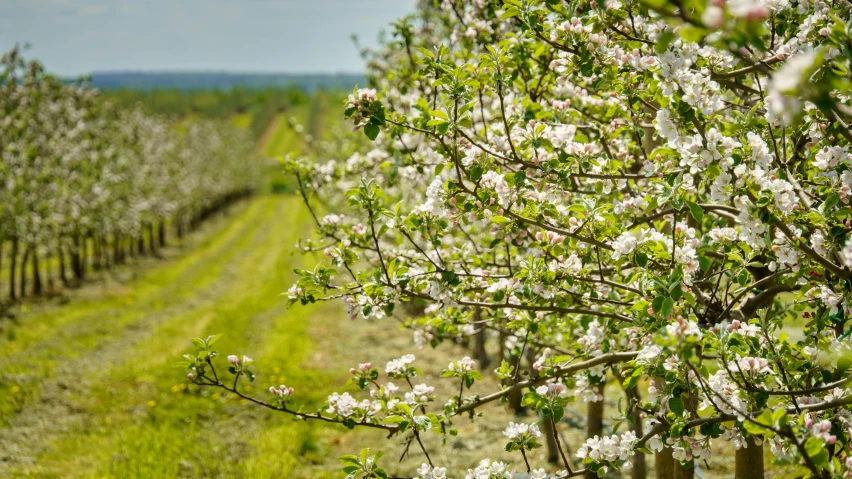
(187, 81)
(261, 106)
(259, 97)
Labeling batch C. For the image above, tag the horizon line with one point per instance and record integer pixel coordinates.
(219, 72)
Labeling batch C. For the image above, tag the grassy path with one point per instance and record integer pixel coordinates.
(86, 389)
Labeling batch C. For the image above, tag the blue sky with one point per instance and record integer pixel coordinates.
(80, 36)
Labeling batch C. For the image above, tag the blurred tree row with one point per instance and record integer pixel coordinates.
(261, 105)
(84, 184)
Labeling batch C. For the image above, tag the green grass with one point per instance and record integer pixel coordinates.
(241, 120)
(87, 389)
(281, 136)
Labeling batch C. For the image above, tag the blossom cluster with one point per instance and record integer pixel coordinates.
(609, 449)
(649, 197)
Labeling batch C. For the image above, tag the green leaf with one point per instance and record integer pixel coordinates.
(813, 446)
(657, 304)
(664, 39)
(778, 415)
(509, 13)
(371, 130)
(500, 219)
(676, 405)
(696, 211)
(843, 213)
(666, 308)
(529, 398)
(830, 202)
(691, 34)
(821, 458)
(754, 429)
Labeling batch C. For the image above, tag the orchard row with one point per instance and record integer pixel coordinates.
(84, 184)
(649, 194)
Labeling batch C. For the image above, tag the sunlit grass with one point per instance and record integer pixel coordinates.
(134, 415)
(281, 135)
(241, 120)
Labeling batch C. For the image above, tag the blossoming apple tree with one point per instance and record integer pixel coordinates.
(652, 195)
(78, 175)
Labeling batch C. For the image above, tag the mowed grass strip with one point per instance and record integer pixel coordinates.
(132, 415)
(280, 136)
(50, 337)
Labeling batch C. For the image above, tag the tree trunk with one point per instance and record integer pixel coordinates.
(116, 249)
(548, 431)
(105, 256)
(76, 258)
(479, 341)
(106, 246)
(52, 279)
(23, 287)
(669, 468)
(151, 241)
(684, 472)
(649, 143)
(37, 289)
(749, 461)
(84, 255)
(60, 254)
(162, 232)
(594, 421)
(664, 464)
(112, 247)
(97, 252)
(688, 471)
(12, 277)
(140, 241)
(640, 468)
(95, 261)
(514, 398)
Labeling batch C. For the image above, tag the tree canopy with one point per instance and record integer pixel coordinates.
(73, 167)
(650, 192)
